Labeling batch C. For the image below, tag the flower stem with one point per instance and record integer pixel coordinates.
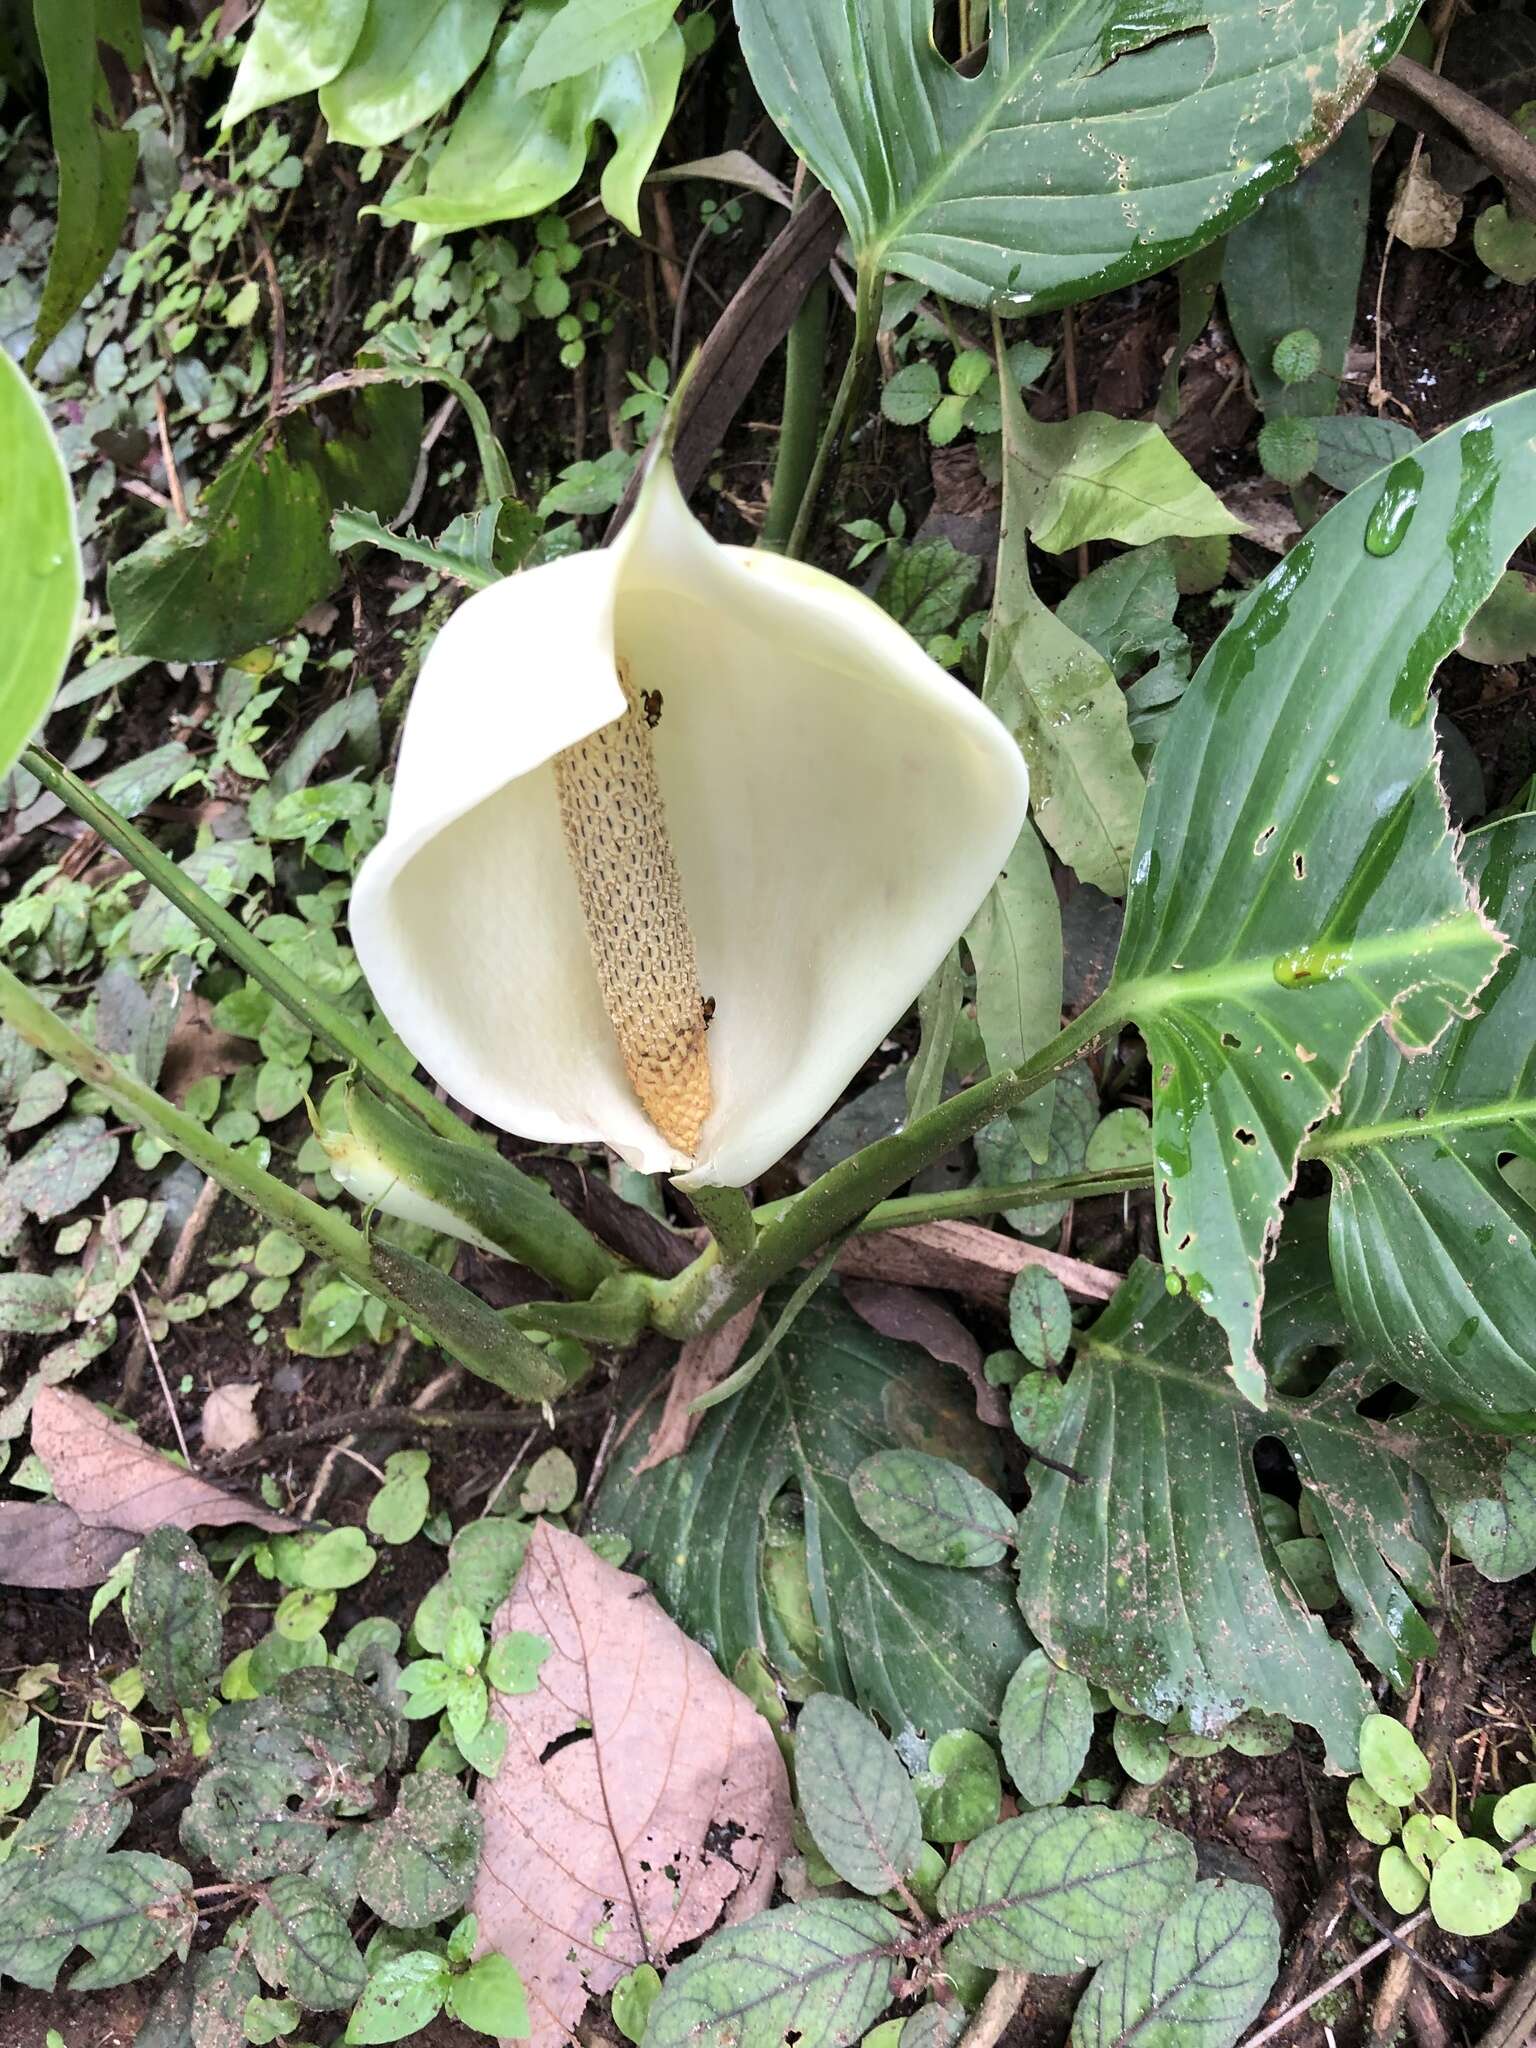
(957, 1204)
(866, 322)
(459, 1320)
(343, 1034)
(730, 1219)
(709, 1291)
(804, 365)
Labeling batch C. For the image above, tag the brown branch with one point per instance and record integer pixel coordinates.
(1407, 90)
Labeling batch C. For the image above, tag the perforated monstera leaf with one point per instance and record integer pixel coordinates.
(1158, 1577)
(1100, 140)
(1295, 882)
(1433, 1242)
(752, 1540)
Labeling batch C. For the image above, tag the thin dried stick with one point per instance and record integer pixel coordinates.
(167, 456)
(1004, 1996)
(279, 327)
(186, 1244)
(385, 1387)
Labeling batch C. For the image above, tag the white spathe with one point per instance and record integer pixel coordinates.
(837, 804)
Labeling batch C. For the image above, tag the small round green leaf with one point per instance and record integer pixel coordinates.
(489, 1997)
(931, 1510)
(633, 1996)
(513, 1665)
(1471, 1890)
(1426, 1837)
(1514, 1816)
(1040, 1316)
(911, 395)
(1402, 1886)
(1142, 1748)
(402, 1996)
(961, 1790)
(1374, 1817)
(1391, 1762)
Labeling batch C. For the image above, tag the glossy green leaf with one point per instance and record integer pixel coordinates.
(97, 155)
(128, 1910)
(188, 594)
(403, 1995)
(1377, 1819)
(1003, 1159)
(1194, 1981)
(1045, 1728)
(585, 33)
(857, 1800)
(1098, 144)
(295, 46)
(1296, 264)
(173, 1616)
(1402, 1885)
(1295, 880)
(301, 1943)
(40, 582)
(823, 1971)
(514, 151)
(918, 1645)
(1058, 696)
(489, 1997)
(409, 59)
(1056, 1890)
(1184, 1602)
(1014, 941)
(931, 1510)
(421, 1861)
(1431, 1243)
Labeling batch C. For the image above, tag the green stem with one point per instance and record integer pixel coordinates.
(345, 1036)
(457, 1319)
(804, 366)
(708, 1292)
(730, 1219)
(866, 323)
(958, 1204)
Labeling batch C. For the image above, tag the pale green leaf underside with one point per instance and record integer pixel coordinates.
(1157, 1577)
(1295, 880)
(1433, 1249)
(1094, 147)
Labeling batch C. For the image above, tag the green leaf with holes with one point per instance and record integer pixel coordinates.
(823, 1971)
(931, 1509)
(1195, 1980)
(752, 1540)
(1432, 1239)
(1054, 1890)
(1295, 884)
(421, 1861)
(1188, 1604)
(173, 1616)
(857, 1800)
(128, 1910)
(1097, 143)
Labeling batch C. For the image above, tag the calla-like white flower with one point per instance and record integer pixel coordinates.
(679, 831)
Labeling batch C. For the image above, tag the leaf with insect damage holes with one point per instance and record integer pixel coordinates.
(1098, 142)
(821, 1972)
(173, 1617)
(128, 1910)
(421, 1861)
(1295, 883)
(642, 1795)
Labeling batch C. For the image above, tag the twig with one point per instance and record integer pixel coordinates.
(393, 1368)
(1497, 143)
(681, 305)
(1378, 393)
(1516, 2021)
(500, 1487)
(429, 441)
(489, 1421)
(1405, 1956)
(279, 378)
(1004, 1996)
(168, 457)
(671, 276)
(186, 1244)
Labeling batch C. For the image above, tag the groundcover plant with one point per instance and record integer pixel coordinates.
(767, 997)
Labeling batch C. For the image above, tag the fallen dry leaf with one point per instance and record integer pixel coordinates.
(44, 1543)
(197, 1047)
(963, 1258)
(916, 1318)
(229, 1416)
(702, 1363)
(669, 1808)
(112, 1481)
(1423, 214)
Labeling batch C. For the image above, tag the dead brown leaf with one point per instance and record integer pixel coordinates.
(916, 1318)
(197, 1047)
(966, 1259)
(1423, 214)
(44, 1543)
(112, 1481)
(229, 1416)
(702, 1363)
(669, 1808)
